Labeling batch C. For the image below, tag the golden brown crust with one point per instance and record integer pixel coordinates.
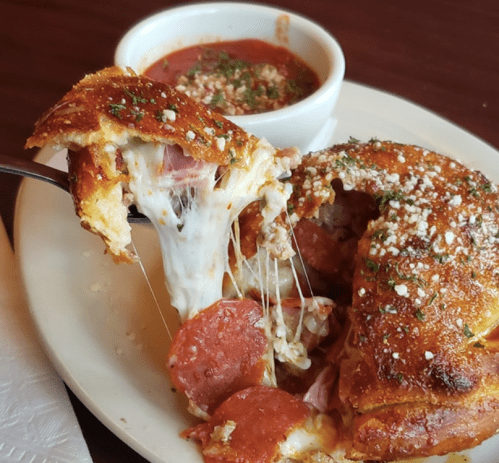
(111, 103)
(418, 354)
(96, 187)
(101, 114)
(403, 431)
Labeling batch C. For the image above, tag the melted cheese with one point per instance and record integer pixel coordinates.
(193, 212)
(312, 442)
(275, 280)
(256, 273)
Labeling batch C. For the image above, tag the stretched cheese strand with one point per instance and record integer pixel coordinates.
(287, 351)
(193, 212)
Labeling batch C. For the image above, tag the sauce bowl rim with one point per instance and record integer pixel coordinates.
(323, 37)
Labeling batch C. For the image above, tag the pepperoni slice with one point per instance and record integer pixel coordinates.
(218, 352)
(179, 166)
(319, 249)
(249, 426)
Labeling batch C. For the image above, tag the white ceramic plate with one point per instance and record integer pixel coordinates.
(99, 322)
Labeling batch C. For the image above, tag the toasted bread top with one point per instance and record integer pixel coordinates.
(421, 333)
(426, 286)
(114, 103)
(105, 112)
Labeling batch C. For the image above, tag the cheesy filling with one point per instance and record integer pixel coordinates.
(193, 206)
(309, 442)
(193, 210)
(275, 279)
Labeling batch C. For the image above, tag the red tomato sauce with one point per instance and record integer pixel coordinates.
(237, 77)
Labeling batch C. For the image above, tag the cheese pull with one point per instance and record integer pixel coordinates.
(189, 170)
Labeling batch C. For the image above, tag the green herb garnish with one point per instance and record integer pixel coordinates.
(116, 108)
(467, 332)
(420, 315)
(372, 265)
(135, 99)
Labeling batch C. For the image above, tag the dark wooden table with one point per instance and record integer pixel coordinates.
(440, 54)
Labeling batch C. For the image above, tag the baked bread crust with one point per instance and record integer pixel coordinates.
(114, 103)
(418, 371)
(102, 113)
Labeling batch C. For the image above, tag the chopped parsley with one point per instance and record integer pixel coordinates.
(432, 298)
(159, 115)
(384, 198)
(487, 187)
(467, 332)
(419, 281)
(116, 109)
(372, 265)
(217, 100)
(381, 234)
(135, 99)
(231, 82)
(273, 92)
(420, 315)
(138, 115)
(441, 258)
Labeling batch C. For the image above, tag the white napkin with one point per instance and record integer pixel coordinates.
(37, 422)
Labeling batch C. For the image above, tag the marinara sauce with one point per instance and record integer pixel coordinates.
(238, 77)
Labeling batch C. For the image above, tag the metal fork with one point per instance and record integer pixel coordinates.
(32, 169)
